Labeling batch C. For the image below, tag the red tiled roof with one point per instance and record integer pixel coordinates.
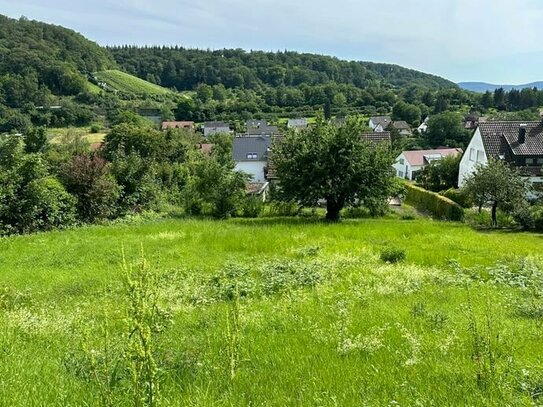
(416, 157)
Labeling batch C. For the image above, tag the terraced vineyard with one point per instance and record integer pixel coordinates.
(127, 83)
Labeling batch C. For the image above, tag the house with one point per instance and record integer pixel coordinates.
(376, 137)
(177, 125)
(262, 131)
(402, 127)
(408, 163)
(382, 121)
(297, 124)
(250, 154)
(471, 121)
(211, 128)
(256, 123)
(423, 126)
(518, 143)
(258, 189)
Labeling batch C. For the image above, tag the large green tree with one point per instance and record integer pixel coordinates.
(446, 129)
(331, 163)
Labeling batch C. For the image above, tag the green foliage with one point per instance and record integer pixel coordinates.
(459, 196)
(333, 163)
(437, 205)
(446, 129)
(252, 207)
(392, 255)
(498, 184)
(407, 112)
(440, 174)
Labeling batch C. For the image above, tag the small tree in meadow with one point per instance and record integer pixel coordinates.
(499, 185)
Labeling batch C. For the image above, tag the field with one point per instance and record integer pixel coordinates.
(273, 312)
(124, 82)
(56, 135)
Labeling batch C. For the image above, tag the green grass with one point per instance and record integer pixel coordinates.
(56, 134)
(124, 82)
(323, 321)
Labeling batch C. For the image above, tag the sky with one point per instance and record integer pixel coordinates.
(497, 41)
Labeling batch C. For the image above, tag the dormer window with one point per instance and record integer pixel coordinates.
(252, 156)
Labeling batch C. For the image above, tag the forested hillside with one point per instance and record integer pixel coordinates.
(185, 68)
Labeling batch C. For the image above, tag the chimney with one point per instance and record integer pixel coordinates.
(522, 134)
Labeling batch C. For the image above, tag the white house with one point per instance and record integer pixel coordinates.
(423, 126)
(409, 162)
(250, 154)
(518, 143)
(382, 121)
(297, 124)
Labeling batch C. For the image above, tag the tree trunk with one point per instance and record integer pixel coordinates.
(333, 207)
(494, 218)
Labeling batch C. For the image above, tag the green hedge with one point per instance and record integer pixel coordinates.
(439, 206)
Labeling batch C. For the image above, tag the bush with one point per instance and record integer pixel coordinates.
(393, 255)
(252, 207)
(283, 208)
(458, 196)
(439, 206)
(95, 128)
(482, 219)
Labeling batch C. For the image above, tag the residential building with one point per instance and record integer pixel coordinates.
(258, 190)
(518, 143)
(471, 121)
(177, 125)
(376, 137)
(402, 127)
(262, 131)
(423, 126)
(250, 154)
(256, 123)
(382, 121)
(211, 128)
(408, 163)
(297, 124)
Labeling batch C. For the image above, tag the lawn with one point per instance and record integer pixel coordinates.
(125, 82)
(276, 312)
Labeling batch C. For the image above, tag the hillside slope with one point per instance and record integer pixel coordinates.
(186, 68)
(39, 60)
(123, 82)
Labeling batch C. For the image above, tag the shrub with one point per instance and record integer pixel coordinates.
(252, 207)
(459, 196)
(284, 208)
(439, 206)
(95, 128)
(393, 255)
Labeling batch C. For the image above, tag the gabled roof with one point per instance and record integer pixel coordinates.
(376, 137)
(500, 138)
(378, 119)
(401, 125)
(259, 145)
(262, 130)
(177, 125)
(419, 158)
(255, 123)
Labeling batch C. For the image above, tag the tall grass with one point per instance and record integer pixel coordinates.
(271, 312)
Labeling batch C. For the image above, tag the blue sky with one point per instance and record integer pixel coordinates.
(463, 40)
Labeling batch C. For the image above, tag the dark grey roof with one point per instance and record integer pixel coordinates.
(401, 125)
(245, 145)
(376, 137)
(381, 120)
(501, 138)
(255, 123)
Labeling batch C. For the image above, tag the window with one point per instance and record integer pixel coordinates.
(540, 161)
(252, 156)
(480, 156)
(529, 161)
(402, 161)
(472, 154)
(400, 174)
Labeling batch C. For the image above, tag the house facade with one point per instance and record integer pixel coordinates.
(518, 143)
(250, 154)
(408, 163)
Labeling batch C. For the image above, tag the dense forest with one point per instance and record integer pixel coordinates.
(48, 77)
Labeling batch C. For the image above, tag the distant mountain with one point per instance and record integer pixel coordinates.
(482, 87)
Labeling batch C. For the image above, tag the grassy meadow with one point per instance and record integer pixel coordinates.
(125, 82)
(272, 312)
